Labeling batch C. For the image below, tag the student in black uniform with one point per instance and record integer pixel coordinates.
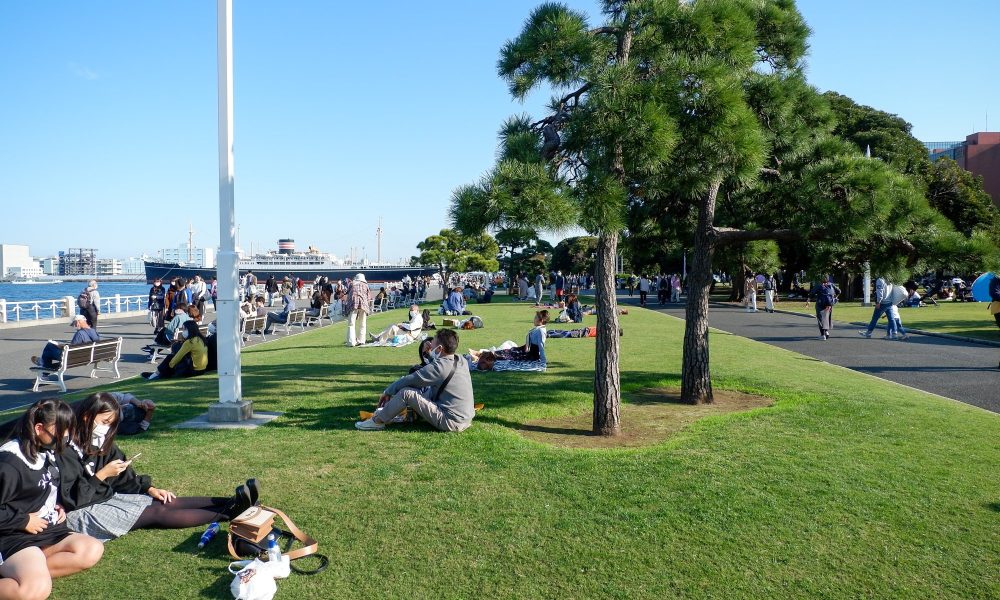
(35, 544)
(105, 498)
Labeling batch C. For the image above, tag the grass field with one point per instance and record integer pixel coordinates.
(846, 487)
(971, 319)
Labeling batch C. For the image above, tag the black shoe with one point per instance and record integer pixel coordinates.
(145, 374)
(239, 503)
(254, 488)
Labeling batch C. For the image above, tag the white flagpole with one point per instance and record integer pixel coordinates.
(230, 407)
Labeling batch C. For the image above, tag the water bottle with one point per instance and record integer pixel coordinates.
(208, 535)
(273, 552)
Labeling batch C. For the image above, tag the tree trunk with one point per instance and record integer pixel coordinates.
(696, 379)
(607, 385)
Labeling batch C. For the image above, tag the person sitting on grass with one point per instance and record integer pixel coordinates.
(573, 309)
(190, 360)
(534, 343)
(410, 329)
(35, 543)
(52, 352)
(134, 415)
(455, 303)
(441, 392)
(105, 498)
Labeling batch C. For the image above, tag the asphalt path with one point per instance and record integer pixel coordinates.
(17, 346)
(960, 370)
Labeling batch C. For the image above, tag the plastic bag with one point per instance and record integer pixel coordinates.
(255, 580)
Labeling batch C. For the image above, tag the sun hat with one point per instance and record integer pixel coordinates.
(359, 277)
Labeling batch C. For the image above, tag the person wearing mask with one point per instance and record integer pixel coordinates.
(825, 295)
(169, 334)
(440, 392)
(35, 543)
(410, 329)
(52, 352)
(198, 293)
(157, 297)
(189, 360)
(770, 289)
(644, 286)
(882, 303)
(288, 305)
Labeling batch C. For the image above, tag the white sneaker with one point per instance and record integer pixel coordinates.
(369, 425)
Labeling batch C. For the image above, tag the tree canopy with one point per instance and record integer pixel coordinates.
(452, 252)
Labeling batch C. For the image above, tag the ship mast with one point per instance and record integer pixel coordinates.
(378, 239)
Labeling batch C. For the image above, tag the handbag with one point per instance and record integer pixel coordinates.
(251, 528)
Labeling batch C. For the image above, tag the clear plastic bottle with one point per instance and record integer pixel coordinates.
(273, 552)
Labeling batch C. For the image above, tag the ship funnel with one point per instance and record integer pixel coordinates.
(286, 246)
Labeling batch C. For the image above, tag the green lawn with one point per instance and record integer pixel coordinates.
(971, 319)
(847, 487)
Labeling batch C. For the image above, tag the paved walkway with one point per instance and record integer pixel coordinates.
(964, 371)
(17, 346)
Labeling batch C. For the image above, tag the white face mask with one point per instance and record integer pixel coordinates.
(99, 435)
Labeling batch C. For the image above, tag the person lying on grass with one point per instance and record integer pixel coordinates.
(106, 498)
(35, 543)
(440, 392)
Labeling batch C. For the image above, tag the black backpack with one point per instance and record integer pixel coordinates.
(83, 300)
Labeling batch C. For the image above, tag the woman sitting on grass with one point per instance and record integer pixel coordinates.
(410, 329)
(35, 543)
(106, 498)
(190, 360)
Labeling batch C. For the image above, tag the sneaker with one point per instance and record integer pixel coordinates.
(36, 362)
(369, 425)
(902, 337)
(864, 333)
(822, 337)
(145, 374)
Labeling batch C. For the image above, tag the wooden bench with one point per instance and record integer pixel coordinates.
(160, 351)
(324, 313)
(295, 317)
(81, 355)
(253, 326)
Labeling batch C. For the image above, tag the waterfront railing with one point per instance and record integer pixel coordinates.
(60, 308)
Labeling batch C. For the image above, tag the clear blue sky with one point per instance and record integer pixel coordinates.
(347, 112)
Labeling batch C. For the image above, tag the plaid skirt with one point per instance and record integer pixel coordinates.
(109, 519)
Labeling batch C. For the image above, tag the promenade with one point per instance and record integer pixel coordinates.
(963, 371)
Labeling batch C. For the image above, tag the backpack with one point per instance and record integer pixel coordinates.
(83, 300)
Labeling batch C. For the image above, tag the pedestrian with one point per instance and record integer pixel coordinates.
(214, 290)
(750, 293)
(157, 295)
(881, 306)
(643, 289)
(360, 306)
(539, 282)
(770, 287)
(825, 296)
(89, 302)
(675, 288)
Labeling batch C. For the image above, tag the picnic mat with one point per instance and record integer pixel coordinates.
(401, 340)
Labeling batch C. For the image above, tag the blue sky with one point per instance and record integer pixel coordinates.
(347, 112)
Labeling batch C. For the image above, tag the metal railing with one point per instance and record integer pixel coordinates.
(40, 310)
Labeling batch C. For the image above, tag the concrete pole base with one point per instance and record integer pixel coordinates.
(230, 412)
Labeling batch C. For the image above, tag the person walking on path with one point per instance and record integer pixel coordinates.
(675, 288)
(750, 293)
(643, 289)
(359, 304)
(539, 282)
(825, 295)
(770, 287)
(89, 301)
(881, 306)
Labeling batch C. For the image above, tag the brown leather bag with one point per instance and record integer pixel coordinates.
(257, 522)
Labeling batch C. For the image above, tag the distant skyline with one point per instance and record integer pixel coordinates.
(346, 113)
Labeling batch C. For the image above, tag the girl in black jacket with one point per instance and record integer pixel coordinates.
(104, 497)
(35, 544)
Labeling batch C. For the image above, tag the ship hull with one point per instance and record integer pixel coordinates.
(167, 271)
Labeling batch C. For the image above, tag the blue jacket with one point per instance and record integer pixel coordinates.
(455, 302)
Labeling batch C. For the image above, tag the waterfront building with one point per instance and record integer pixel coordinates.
(50, 265)
(78, 261)
(185, 254)
(15, 256)
(134, 266)
(108, 267)
(19, 272)
(979, 154)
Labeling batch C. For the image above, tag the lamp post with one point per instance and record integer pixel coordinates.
(231, 407)
(866, 281)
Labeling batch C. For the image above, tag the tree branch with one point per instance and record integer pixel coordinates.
(605, 30)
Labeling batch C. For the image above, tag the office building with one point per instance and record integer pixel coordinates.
(200, 257)
(979, 154)
(15, 256)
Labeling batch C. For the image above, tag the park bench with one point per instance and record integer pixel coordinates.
(295, 317)
(324, 313)
(158, 351)
(81, 355)
(253, 326)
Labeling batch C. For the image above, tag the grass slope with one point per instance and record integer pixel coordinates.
(847, 487)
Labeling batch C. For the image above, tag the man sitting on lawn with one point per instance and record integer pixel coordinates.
(440, 392)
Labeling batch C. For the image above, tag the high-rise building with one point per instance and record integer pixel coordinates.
(15, 256)
(200, 257)
(979, 154)
(78, 261)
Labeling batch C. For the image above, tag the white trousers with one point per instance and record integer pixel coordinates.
(351, 338)
(751, 301)
(769, 300)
